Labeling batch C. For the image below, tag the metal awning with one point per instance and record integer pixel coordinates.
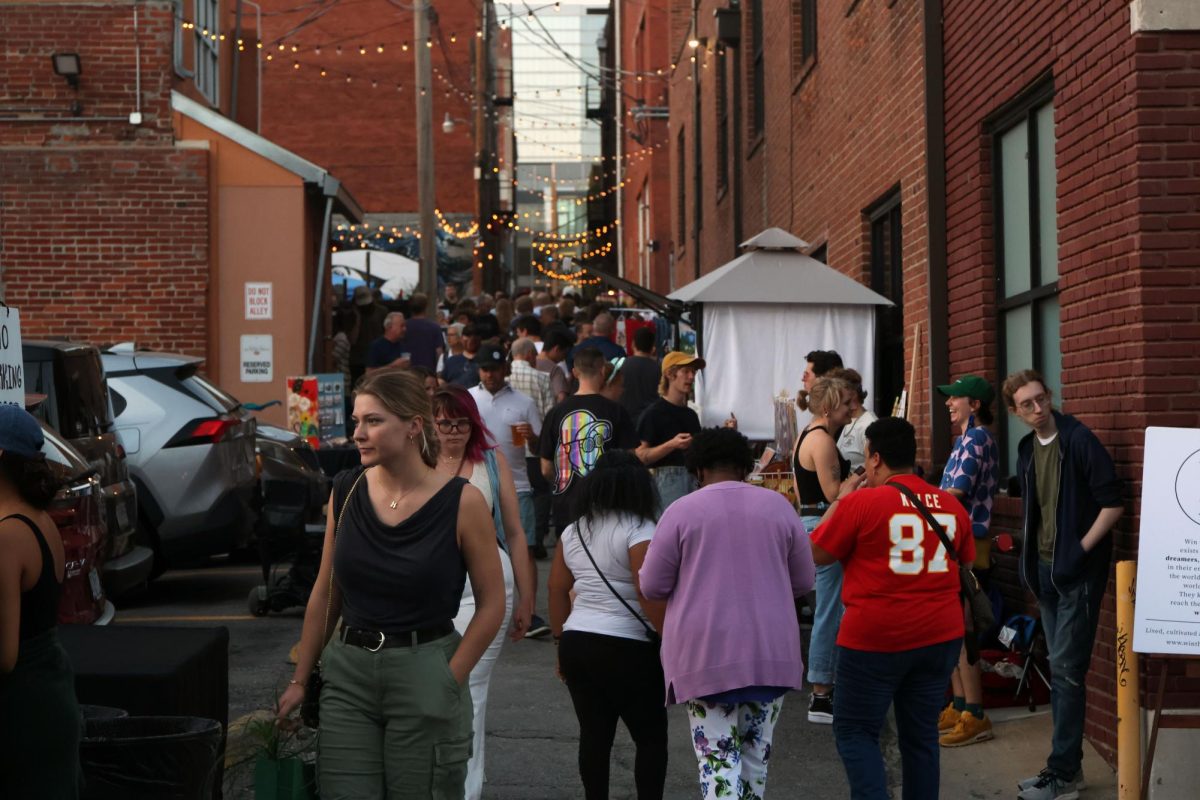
(673, 310)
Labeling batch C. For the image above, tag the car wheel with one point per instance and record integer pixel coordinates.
(257, 601)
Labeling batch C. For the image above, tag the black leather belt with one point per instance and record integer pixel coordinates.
(376, 640)
(814, 511)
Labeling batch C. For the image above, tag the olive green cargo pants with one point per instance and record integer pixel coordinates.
(395, 724)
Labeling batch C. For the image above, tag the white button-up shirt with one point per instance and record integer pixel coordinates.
(502, 410)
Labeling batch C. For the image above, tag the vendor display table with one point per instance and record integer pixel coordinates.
(152, 671)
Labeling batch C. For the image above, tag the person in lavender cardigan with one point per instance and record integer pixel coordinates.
(729, 560)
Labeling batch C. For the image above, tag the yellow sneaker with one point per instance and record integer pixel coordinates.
(948, 718)
(969, 730)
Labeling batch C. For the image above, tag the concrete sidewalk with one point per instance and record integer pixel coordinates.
(992, 769)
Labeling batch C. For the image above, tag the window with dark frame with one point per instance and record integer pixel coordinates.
(681, 188)
(208, 49)
(758, 115)
(887, 278)
(1025, 187)
(804, 35)
(722, 134)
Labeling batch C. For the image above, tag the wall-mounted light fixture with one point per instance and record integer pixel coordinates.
(68, 66)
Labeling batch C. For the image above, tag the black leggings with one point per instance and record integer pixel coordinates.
(613, 678)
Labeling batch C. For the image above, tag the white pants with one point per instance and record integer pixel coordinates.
(482, 674)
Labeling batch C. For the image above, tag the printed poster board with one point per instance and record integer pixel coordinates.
(316, 406)
(1167, 616)
(12, 362)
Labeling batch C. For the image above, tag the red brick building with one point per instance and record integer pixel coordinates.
(338, 90)
(1021, 180)
(133, 207)
(645, 159)
(1072, 160)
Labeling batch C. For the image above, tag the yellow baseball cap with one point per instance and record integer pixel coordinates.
(678, 359)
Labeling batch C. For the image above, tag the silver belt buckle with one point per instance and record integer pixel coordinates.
(379, 646)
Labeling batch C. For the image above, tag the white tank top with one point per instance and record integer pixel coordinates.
(479, 479)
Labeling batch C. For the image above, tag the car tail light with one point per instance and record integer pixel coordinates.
(76, 513)
(203, 431)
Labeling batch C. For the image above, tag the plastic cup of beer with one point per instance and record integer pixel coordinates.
(518, 437)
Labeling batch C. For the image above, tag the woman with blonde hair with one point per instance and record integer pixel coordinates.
(400, 542)
(819, 470)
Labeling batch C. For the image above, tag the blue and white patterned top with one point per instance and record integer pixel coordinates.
(973, 469)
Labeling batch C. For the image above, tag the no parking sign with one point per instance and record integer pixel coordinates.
(12, 369)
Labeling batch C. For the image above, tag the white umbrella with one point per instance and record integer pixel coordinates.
(400, 275)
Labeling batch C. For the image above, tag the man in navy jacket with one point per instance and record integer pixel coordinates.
(1072, 499)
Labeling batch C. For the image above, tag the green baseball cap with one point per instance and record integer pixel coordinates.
(971, 386)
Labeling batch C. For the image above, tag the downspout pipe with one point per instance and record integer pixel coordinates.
(738, 238)
(935, 180)
(319, 291)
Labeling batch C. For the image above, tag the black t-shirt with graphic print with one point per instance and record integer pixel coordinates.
(574, 435)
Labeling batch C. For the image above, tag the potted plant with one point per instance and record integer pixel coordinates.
(282, 757)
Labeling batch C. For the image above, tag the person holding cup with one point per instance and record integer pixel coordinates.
(390, 351)
(515, 423)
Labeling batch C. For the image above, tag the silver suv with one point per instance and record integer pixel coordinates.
(190, 448)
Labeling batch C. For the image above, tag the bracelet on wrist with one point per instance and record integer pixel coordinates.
(301, 684)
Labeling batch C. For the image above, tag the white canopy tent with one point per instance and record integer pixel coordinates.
(758, 316)
(400, 275)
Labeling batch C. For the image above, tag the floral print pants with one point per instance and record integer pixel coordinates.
(733, 745)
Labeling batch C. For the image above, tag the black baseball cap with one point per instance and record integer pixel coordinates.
(490, 356)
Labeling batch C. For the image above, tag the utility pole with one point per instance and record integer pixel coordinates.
(425, 183)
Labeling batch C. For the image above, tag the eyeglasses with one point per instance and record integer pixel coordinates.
(452, 425)
(1034, 403)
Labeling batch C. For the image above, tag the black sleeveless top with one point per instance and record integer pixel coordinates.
(807, 482)
(402, 578)
(39, 606)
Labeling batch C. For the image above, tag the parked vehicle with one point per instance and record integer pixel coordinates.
(77, 406)
(191, 451)
(76, 512)
(285, 456)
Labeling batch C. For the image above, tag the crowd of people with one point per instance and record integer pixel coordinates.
(674, 580)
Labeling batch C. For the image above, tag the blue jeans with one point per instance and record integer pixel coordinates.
(673, 483)
(528, 517)
(1069, 617)
(827, 618)
(914, 681)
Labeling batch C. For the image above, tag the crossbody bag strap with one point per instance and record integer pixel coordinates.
(337, 527)
(925, 512)
(653, 634)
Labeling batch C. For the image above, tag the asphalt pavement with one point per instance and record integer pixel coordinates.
(532, 732)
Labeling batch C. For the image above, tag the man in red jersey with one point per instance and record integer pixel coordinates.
(903, 625)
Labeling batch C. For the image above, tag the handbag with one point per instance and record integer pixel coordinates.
(310, 708)
(651, 634)
(979, 616)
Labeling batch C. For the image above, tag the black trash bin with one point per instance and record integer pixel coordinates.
(166, 758)
(91, 712)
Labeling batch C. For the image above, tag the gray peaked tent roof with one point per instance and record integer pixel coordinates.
(773, 270)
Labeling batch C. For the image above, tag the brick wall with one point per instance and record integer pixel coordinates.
(104, 231)
(36, 104)
(647, 171)
(107, 245)
(839, 134)
(364, 133)
(1128, 163)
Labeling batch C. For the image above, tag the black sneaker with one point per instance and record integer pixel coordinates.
(820, 708)
(537, 628)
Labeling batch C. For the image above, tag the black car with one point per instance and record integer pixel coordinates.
(77, 405)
